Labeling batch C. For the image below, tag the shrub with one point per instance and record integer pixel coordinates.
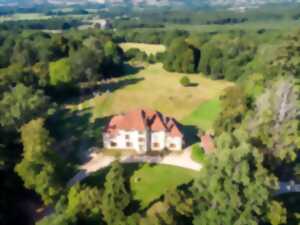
(185, 81)
(198, 153)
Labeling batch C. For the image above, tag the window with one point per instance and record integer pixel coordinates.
(128, 144)
(172, 145)
(113, 144)
(141, 139)
(156, 145)
(127, 136)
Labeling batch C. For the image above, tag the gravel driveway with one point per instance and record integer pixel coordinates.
(99, 161)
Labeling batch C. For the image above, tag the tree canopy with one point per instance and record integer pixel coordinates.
(233, 187)
(21, 104)
(39, 167)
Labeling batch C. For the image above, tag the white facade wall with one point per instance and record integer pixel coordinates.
(158, 140)
(174, 143)
(127, 140)
(135, 140)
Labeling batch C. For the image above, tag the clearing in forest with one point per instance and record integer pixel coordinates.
(153, 87)
(148, 48)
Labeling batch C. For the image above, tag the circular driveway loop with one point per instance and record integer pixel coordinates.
(99, 161)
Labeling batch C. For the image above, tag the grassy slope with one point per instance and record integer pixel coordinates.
(148, 48)
(204, 115)
(156, 88)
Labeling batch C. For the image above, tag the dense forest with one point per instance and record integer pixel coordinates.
(257, 132)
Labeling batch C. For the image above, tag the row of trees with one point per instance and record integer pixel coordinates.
(112, 205)
(233, 55)
(51, 61)
(34, 66)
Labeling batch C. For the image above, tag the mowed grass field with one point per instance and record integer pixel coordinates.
(155, 88)
(148, 48)
(204, 115)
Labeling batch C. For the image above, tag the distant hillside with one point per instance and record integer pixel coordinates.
(212, 3)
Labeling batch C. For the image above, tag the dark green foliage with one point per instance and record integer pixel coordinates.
(274, 123)
(39, 167)
(113, 58)
(84, 203)
(233, 110)
(16, 74)
(86, 64)
(115, 197)
(24, 53)
(22, 104)
(287, 60)
(81, 206)
(51, 24)
(233, 186)
(180, 57)
(175, 209)
(134, 54)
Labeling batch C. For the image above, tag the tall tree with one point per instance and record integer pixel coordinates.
(39, 167)
(275, 124)
(115, 197)
(21, 104)
(85, 204)
(86, 64)
(233, 187)
(233, 109)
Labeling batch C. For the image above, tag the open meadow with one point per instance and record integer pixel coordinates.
(148, 48)
(153, 87)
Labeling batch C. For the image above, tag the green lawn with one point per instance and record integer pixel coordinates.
(205, 115)
(151, 181)
(148, 182)
(153, 87)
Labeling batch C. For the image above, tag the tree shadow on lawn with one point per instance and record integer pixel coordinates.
(108, 86)
(75, 133)
(112, 86)
(193, 84)
(131, 70)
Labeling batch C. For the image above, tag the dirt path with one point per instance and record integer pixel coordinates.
(99, 161)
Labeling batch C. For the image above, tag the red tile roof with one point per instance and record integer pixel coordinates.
(207, 143)
(142, 119)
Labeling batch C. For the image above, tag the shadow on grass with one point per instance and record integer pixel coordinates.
(113, 85)
(75, 133)
(92, 90)
(193, 85)
(190, 134)
(131, 70)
